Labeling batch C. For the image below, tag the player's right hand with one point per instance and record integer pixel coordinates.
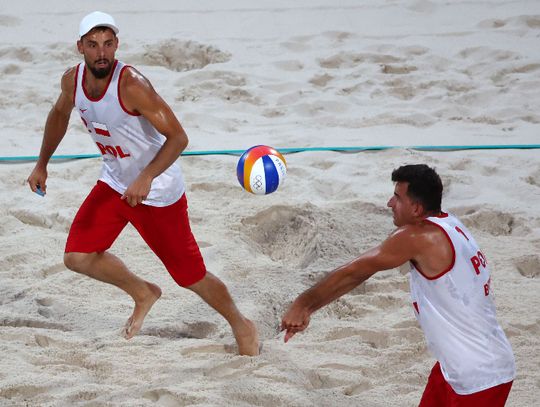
(37, 178)
(295, 320)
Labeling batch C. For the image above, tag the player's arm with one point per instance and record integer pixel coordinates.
(397, 249)
(55, 130)
(139, 96)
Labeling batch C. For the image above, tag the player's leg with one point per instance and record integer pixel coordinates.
(167, 232)
(106, 267)
(493, 397)
(435, 393)
(212, 290)
(439, 393)
(95, 227)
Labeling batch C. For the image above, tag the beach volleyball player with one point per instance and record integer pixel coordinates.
(140, 139)
(451, 294)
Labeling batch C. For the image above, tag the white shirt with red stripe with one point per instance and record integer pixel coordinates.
(456, 312)
(127, 141)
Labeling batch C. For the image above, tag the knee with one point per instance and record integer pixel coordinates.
(76, 261)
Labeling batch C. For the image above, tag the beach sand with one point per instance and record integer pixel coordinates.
(306, 74)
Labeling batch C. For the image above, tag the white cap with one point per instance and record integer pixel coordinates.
(96, 19)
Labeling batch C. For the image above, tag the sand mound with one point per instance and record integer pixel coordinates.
(179, 55)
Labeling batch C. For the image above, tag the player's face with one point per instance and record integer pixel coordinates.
(99, 47)
(404, 209)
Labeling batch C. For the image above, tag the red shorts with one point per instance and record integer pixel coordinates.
(166, 230)
(438, 393)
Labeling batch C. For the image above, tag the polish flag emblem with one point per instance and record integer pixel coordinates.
(101, 129)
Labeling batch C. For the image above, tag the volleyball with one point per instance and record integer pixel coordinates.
(261, 169)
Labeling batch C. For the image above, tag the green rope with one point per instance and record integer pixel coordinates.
(302, 149)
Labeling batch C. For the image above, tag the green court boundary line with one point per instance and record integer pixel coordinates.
(290, 150)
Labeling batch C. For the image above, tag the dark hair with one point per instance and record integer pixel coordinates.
(425, 186)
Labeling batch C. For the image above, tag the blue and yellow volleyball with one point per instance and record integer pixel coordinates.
(261, 169)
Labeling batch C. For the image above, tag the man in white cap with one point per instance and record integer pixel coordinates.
(140, 139)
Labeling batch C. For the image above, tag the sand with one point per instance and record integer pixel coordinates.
(291, 75)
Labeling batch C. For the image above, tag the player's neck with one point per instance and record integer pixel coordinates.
(95, 87)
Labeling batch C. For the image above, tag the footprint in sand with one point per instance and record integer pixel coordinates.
(211, 187)
(197, 330)
(219, 349)
(83, 395)
(350, 60)
(400, 89)
(346, 308)
(42, 340)
(483, 54)
(32, 323)
(165, 397)
(296, 46)
(503, 75)
(397, 69)
(523, 21)
(374, 339)
(534, 178)
(494, 222)
(491, 23)
(270, 113)
(528, 266)
(290, 65)
(320, 379)
(385, 301)
(51, 270)
(9, 21)
(11, 69)
(339, 36)
(22, 54)
(321, 80)
(238, 367)
(518, 329)
(15, 260)
(44, 305)
(359, 388)
(225, 85)
(23, 391)
(463, 164)
(46, 221)
(62, 51)
(7, 296)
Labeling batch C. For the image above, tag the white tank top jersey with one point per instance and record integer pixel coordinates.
(127, 141)
(456, 312)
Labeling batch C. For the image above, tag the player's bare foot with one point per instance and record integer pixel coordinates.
(135, 321)
(247, 339)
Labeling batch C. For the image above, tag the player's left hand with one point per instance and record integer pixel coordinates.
(138, 191)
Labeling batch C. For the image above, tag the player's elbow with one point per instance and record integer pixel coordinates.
(179, 141)
(184, 141)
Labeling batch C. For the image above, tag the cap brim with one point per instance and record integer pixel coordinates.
(112, 27)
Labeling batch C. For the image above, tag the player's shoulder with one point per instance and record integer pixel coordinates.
(411, 229)
(70, 72)
(136, 89)
(416, 232)
(133, 77)
(68, 78)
